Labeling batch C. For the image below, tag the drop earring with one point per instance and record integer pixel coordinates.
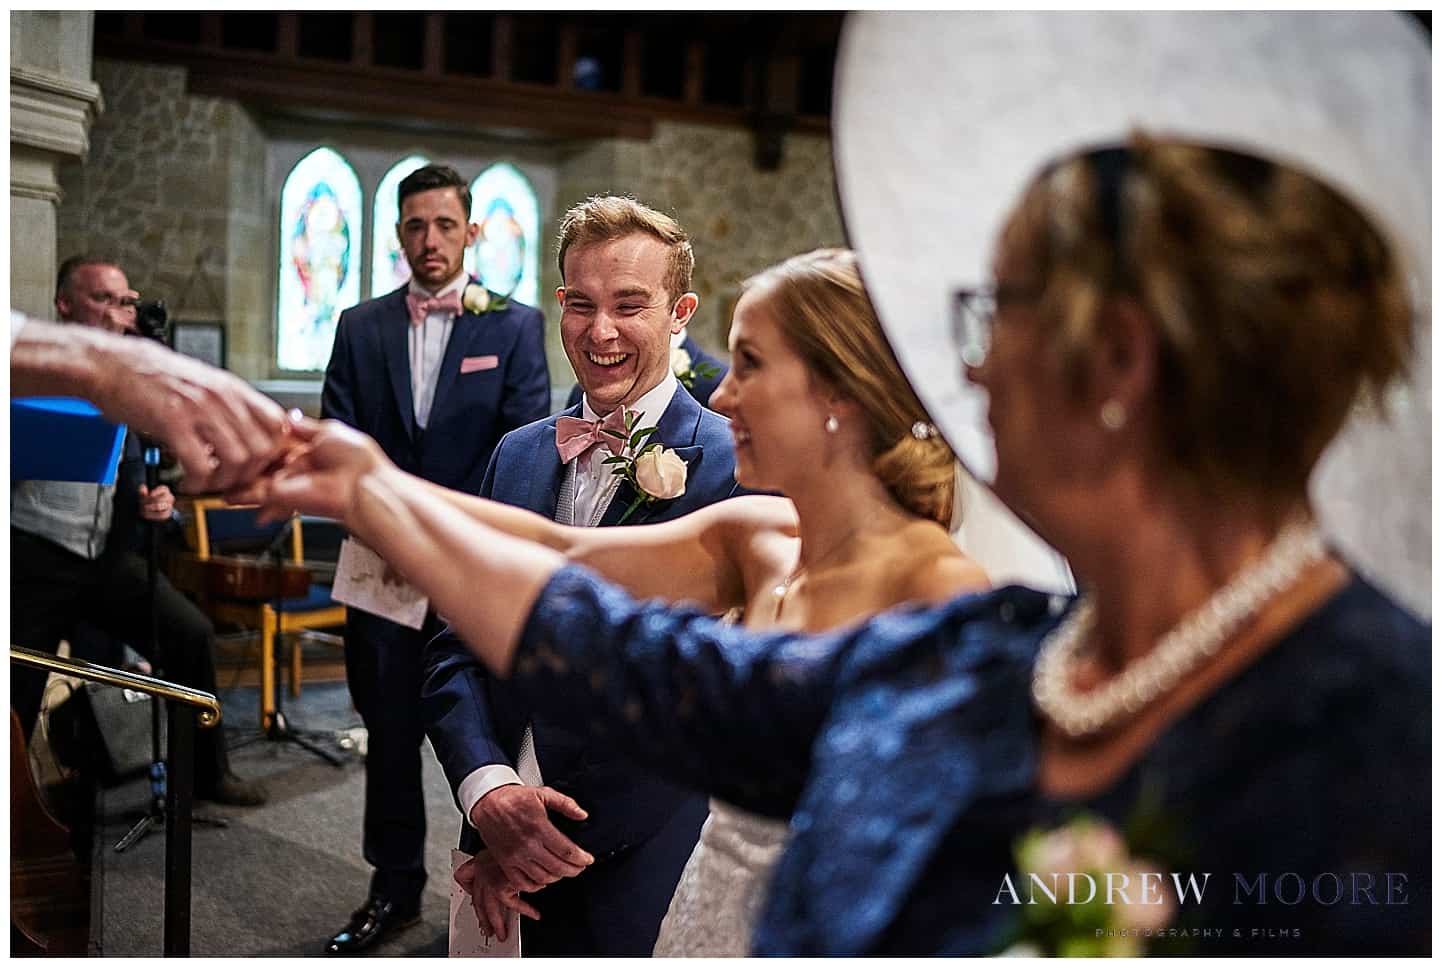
(832, 424)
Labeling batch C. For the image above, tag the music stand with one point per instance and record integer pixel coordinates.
(155, 815)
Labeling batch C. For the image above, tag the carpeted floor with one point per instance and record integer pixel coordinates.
(282, 877)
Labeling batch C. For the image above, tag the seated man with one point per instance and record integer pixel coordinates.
(72, 558)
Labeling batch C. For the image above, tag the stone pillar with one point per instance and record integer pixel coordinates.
(52, 104)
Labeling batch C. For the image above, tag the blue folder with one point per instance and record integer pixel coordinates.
(62, 439)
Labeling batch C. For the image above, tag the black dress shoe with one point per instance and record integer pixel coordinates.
(368, 925)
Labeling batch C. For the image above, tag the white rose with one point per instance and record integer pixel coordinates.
(661, 473)
(680, 361)
(476, 299)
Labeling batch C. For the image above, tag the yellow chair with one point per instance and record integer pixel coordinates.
(216, 529)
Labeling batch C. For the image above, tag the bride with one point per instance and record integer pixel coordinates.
(821, 413)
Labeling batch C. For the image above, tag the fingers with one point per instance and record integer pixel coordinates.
(562, 804)
(518, 904)
(491, 913)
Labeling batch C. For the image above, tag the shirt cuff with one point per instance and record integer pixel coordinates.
(17, 323)
(483, 781)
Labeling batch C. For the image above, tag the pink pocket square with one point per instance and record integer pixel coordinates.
(471, 364)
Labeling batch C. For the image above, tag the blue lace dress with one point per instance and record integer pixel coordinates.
(903, 751)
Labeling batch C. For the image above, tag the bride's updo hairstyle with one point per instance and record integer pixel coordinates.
(1277, 303)
(821, 306)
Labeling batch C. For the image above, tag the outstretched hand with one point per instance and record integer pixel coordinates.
(320, 475)
(223, 431)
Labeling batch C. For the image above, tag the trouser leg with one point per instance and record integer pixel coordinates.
(384, 674)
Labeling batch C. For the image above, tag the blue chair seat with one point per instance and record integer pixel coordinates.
(317, 597)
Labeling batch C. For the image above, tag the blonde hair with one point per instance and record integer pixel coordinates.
(1276, 301)
(820, 303)
(602, 218)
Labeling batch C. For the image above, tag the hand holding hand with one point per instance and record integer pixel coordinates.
(319, 476)
(221, 430)
(156, 505)
(519, 836)
(492, 896)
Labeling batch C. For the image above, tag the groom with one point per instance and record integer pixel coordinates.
(625, 272)
(436, 372)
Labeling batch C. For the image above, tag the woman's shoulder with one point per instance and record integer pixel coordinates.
(928, 567)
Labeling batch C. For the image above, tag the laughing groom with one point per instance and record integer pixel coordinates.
(625, 273)
(436, 372)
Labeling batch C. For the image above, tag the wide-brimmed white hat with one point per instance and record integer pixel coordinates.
(941, 119)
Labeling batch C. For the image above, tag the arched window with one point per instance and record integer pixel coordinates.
(389, 268)
(506, 253)
(320, 257)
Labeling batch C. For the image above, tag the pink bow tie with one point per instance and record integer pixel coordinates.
(422, 306)
(575, 437)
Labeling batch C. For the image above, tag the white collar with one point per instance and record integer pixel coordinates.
(650, 405)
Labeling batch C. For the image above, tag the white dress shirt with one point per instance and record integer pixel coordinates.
(428, 346)
(595, 487)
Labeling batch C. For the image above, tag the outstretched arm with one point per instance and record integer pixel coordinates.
(440, 548)
(698, 558)
(222, 430)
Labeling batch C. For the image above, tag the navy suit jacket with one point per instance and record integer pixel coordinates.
(475, 721)
(704, 386)
(368, 385)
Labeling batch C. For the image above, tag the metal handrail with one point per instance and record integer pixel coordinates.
(208, 705)
(179, 771)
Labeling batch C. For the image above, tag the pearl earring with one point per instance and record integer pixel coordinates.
(1113, 415)
(832, 424)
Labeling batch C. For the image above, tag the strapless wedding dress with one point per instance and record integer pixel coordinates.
(719, 897)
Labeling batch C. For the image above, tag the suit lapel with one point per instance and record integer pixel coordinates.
(676, 430)
(546, 469)
(395, 325)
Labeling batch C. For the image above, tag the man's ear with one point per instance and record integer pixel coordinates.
(561, 296)
(684, 309)
(63, 305)
(473, 229)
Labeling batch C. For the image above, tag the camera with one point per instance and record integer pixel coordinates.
(152, 321)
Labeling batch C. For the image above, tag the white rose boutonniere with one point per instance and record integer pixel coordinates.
(656, 472)
(686, 371)
(480, 300)
(661, 474)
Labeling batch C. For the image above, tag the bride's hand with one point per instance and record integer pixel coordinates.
(320, 477)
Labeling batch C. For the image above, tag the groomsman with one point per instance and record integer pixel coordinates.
(626, 272)
(436, 371)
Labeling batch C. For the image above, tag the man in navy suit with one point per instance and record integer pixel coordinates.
(625, 273)
(436, 372)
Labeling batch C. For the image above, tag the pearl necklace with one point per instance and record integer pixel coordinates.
(1198, 636)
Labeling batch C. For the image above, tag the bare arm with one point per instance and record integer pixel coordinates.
(450, 544)
(697, 558)
(222, 430)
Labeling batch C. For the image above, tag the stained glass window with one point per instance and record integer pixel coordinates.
(389, 268)
(506, 252)
(320, 257)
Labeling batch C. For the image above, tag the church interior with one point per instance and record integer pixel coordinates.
(167, 141)
(242, 168)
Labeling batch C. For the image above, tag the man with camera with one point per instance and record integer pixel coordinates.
(73, 558)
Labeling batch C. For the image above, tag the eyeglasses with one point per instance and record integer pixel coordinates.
(973, 312)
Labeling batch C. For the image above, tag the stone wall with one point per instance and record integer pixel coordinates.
(165, 184)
